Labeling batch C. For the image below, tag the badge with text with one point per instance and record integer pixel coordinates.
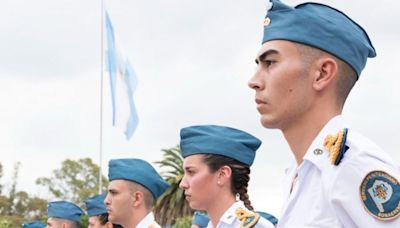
(380, 193)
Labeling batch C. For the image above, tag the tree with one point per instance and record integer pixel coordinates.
(18, 206)
(74, 181)
(1, 175)
(171, 207)
(13, 190)
(4, 205)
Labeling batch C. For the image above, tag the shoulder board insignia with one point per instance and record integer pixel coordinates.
(380, 194)
(247, 219)
(336, 145)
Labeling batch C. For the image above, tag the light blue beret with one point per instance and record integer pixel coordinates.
(320, 26)
(64, 210)
(138, 171)
(268, 217)
(95, 205)
(35, 224)
(200, 219)
(220, 140)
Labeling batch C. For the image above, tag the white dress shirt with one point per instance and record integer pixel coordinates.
(148, 222)
(325, 195)
(229, 219)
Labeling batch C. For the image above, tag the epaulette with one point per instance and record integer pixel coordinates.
(336, 145)
(247, 219)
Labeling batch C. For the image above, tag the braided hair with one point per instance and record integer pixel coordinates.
(240, 175)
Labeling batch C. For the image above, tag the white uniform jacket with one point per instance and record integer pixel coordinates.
(229, 219)
(328, 195)
(148, 222)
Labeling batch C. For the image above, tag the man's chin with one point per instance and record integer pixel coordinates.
(268, 123)
(111, 218)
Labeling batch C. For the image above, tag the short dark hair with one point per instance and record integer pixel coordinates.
(347, 76)
(148, 197)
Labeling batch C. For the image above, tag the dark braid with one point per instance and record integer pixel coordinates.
(240, 175)
(240, 182)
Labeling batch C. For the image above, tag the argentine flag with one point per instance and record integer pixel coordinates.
(123, 83)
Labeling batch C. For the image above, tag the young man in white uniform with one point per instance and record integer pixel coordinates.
(310, 59)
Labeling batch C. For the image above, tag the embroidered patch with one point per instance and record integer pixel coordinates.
(247, 219)
(336, 145)
(380, 194)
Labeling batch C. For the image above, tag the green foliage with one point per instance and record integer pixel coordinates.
(74, 181)
(4, 205)
(10, 221)
(84, 221)
(1, 175)
(185, 222)
(172, 206)
(5, 223)
(18, 206)
(12, 194)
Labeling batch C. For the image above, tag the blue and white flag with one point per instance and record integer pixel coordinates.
(123, 83)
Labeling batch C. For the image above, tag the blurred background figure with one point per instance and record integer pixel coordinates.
(200, 220)
(134, 186)
(97, 212)
(35, 224)
(63, 214)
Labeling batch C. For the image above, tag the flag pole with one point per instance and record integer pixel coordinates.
(101, 95)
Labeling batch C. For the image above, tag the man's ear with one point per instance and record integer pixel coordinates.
(137, 197)
(326, 71)
(224, 174)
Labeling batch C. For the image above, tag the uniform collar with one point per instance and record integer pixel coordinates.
(229, 216)
(146, 221)
(316, 153)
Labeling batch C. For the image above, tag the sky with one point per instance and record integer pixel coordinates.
(193, 60)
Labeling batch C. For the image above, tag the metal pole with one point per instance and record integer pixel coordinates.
(101, 96)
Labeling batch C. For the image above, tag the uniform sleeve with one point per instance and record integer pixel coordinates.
(264, 223)
(350, 187)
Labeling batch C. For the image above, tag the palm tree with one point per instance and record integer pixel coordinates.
(172, 206)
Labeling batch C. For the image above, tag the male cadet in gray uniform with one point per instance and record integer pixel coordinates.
(310, 59)
(63, 214)
(133, 188)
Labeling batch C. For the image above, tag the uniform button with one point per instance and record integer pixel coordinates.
(318, 151)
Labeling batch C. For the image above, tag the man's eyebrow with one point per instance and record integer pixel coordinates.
(265, 54)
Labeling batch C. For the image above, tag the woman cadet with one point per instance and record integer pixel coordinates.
(216, 165)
